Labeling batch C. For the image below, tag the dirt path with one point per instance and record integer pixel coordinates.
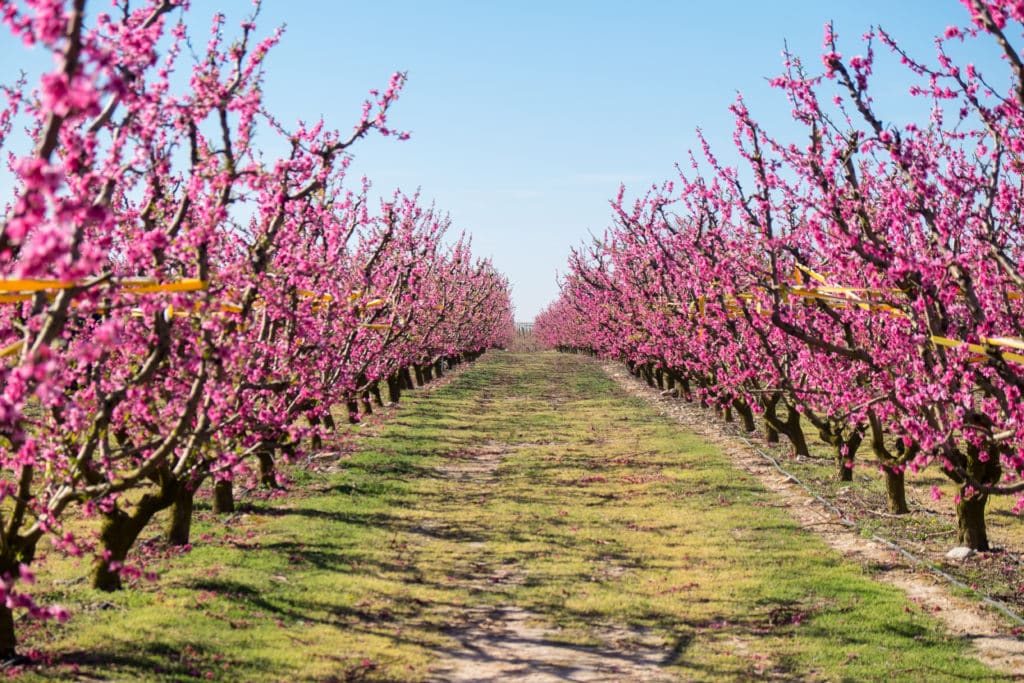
(965, 618)
(598, 544)
(505, 642)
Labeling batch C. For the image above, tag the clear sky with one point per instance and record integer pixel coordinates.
(527, 114)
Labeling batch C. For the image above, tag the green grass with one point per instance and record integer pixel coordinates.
(599, 514)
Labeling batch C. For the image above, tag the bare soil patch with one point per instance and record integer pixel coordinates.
(507, 643)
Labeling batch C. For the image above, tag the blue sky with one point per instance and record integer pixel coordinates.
(527, 115)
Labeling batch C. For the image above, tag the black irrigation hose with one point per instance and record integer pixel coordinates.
(1002, 607)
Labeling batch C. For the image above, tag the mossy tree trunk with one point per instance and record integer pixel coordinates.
(267, 469)
(120, 530)
(790, 427)
(896, 490)
(892, 464)
(970, 521)
(316, 441)
(179, 524)
(769, 403)
(746, 414)
(223, 497)
(970, 511)
(394, 388)
(366, 403)
(845, 444)
(17, 550)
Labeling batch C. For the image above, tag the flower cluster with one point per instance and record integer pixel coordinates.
(865, 282)
(178, 306)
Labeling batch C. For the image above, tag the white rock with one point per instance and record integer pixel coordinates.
(960, 553)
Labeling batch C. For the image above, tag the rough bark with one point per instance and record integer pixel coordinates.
(970, 511)
(120, 530)
(366, 403)
(223, 497)
(896, 490)
(769, 402)
(375, 393)
(8, 638)
(179, 525)
(970, 521)
(394, 388)
(268, 472)
(746, 414)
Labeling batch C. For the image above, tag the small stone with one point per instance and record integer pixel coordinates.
(961, 553)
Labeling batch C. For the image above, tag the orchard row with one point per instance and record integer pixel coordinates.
(181, 304)
(864, 282)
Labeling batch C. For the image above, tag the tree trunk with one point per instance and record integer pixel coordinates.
(439, 368)
(367, 404)
(845, 452)
(970, 521)
(970, 511)
(268, 473)
(120, 530)
(727, 413)
(179, 525)
(896, 491)
(223, 497)
(745, 413)
(792, 429)
(687, 394)
(659, 378)
(353, 411)
(428, 373)
(419, 375)
(8, 640)
(394, 388)
(316, 442)
(375, 393)
(407, 381)
(770, 418)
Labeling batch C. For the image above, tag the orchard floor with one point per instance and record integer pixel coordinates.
(527, 520)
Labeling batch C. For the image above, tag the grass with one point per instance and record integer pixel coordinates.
(929, 531)
(594, 513)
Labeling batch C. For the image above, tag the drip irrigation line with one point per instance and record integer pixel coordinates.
(1002, 607)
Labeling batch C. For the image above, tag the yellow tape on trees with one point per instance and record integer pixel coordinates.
(187, 285)
(32, 285)
(11, 349)
(979, 348)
